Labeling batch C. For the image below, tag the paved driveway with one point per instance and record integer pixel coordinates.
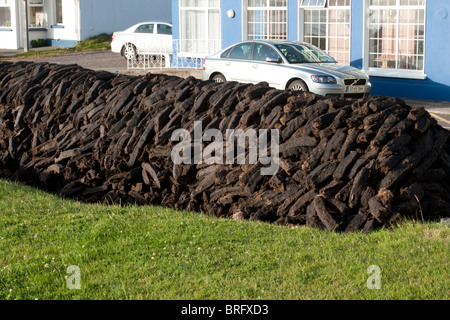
(440, 110)
(96, 60)
(443, 119)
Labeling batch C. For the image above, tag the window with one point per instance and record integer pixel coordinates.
(396, 35)
(313, 3)
(164, 29)
(59, 12)
(225, 54)
(5, 13)
(262, 51)
(36, 14)
(326, 24)
(145, 28)
(267, 19)
(241, 51)
(304, 53)
(200, 26)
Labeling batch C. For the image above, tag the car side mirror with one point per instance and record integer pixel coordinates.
(273, 60)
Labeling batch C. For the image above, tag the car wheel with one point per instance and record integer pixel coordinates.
(219, 78)
(129, 51)
(298, 85)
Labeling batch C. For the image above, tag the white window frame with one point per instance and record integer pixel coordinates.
(390, 72)
(216, 42)
(37, 5)
(7, 4)
(246, 8)
(301, 30)
(312, 3)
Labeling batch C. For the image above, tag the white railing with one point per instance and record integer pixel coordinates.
(178, 54)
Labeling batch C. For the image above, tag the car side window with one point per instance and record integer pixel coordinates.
(293, 54)
(262, 51)
(145, 28)
(225, 54)
(241, 51)
(164, 29)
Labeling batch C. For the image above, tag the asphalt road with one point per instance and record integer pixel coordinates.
(95, 60)
(443, 119)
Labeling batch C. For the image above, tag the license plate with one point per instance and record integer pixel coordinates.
(354, 89)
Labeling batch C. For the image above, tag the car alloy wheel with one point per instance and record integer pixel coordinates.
(298, 85)
(219, 78)
(129, 51)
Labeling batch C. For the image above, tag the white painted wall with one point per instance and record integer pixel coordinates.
(83, 19)
(9, 37)
(107, 16)
(70, 22)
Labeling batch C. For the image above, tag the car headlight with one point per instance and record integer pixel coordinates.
(324, 79)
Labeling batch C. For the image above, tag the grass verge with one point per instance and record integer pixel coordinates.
(97, 43)
(158, 253)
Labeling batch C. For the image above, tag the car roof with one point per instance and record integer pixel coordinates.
(148, 22)
(273, 42)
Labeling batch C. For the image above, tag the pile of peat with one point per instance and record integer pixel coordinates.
(344, 164)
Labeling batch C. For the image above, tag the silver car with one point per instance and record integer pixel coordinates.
(288, 65)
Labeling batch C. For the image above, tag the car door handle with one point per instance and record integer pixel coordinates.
(255, 66)
(228, 64)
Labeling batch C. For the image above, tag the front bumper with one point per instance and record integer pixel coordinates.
(342, 91)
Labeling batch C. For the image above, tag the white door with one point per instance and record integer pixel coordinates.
(237, 65)
(144, 37)
(265, 65)
(164, 36)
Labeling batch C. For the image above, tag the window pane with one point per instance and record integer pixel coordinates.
(397, 34)
(278, 3)
(313, 3)
(59, 15)
(267, 19)
(5, 17)
(200, 26)
(329, 29)
(257, 3)
(261, 52)
(193, 3)
(193, 24)
(164, 29)
(37, 17)
(145, 28)
(241, 51)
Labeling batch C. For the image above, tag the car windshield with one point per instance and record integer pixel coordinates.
(304, 53)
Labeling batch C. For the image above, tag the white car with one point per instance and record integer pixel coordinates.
(290, 65)
(144, 37)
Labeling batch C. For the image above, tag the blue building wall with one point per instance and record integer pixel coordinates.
(231, 27)
(293, 20)
(437, 46)
(357, 34)
(107, 16)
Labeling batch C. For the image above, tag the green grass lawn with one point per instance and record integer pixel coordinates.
(157, 253)
(99, 42)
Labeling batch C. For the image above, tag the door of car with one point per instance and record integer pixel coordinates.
(164, 36)
(237, 65)
(265, 65)
(144, 37)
